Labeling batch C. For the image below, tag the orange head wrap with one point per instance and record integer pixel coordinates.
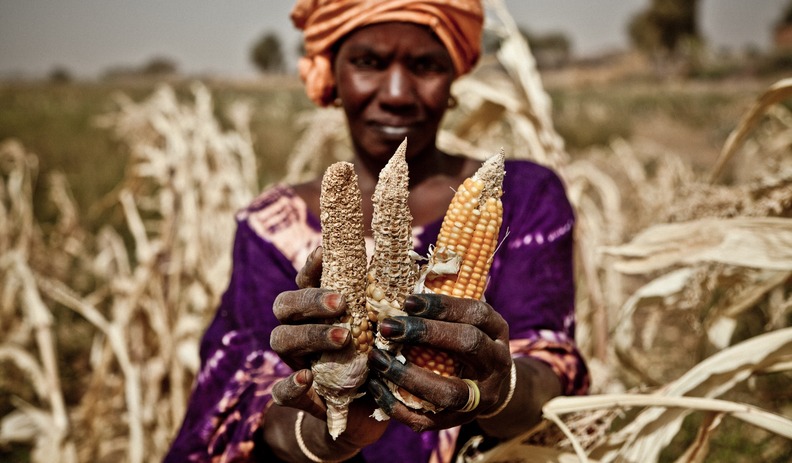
(457, 23)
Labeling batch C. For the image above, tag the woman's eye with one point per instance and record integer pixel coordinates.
(428, 65)
(366, 62)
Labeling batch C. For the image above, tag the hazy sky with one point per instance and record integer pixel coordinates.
(214, 36)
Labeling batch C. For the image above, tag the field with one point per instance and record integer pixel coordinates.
(116, 208)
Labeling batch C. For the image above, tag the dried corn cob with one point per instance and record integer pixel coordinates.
(459, 263)
(392, 272)
(338, 375)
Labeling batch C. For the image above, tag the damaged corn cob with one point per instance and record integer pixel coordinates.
(392, 272)
(460, 261)
(338, 375)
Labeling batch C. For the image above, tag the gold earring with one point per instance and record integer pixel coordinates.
(452, 102)
(337, 102)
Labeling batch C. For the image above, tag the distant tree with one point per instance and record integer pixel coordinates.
(159, 66)
(666, 26)
(60, 75)
(786, 16)
(552, 49)
(783, 29)
(267, 53)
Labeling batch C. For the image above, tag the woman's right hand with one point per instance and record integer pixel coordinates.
(306, 331)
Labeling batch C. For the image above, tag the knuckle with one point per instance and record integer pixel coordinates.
(418, 425)
(280, 305)
(302, 280)
(479, 312)
(471, 340)
(276, 338)
(282, 393)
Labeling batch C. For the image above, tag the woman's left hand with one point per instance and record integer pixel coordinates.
(475, 335)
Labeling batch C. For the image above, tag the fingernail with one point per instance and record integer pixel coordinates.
(331, 301)
(339, 336)
(375, 389)
(379, 360)
(414, 304)
(424, 305)
(391, 328)
(381, 395)
(302, 377)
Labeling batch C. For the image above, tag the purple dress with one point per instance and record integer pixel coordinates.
(531, 285)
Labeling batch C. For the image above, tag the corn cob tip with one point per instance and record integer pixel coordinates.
(492, 173)
(393, 180)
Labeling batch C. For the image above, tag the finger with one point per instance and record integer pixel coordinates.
(469, 343)
(416, 420)
(310, 274)
(308, 304)
(458, 310)
(296, 392)
(443, 392)
(295, 344)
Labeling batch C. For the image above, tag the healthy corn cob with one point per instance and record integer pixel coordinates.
(338, 375)
(460, 261)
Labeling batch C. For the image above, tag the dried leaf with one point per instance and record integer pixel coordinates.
(757, 242)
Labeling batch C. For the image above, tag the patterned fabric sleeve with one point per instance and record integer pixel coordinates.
(560, 354)
(532, 278)
(233, 388)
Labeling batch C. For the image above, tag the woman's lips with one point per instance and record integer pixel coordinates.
(393, 130)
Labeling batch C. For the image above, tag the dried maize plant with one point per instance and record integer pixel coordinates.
(28, 341)
(145, 303)
(460, 260)
(338, 375)
(324, 141)
(503, 102)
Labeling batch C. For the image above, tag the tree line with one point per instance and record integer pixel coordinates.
(666, 31)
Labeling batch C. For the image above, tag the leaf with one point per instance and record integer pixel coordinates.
(644, 438)
(777, 92)
(697, 451)
(757, 242)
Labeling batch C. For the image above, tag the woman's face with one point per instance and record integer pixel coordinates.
(394, 81)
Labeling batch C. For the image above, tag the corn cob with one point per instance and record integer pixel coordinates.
(338, 375)
(392, 271)
(460, 261)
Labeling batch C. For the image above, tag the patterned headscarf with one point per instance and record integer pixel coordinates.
(457, 23)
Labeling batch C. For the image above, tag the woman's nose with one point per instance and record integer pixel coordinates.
(397, 88)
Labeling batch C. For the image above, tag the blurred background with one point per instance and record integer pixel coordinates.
(131, 132)
(93, 39)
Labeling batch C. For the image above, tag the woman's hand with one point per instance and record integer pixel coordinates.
(474, 334)
(306, 331)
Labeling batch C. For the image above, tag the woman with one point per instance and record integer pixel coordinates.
(390, 65)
